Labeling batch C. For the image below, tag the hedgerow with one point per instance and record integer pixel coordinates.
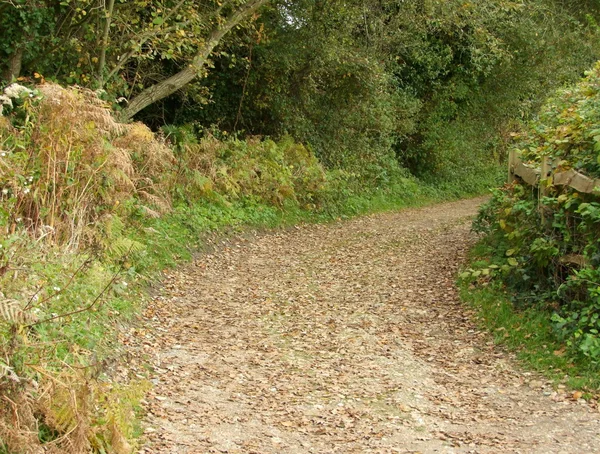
(546, 246)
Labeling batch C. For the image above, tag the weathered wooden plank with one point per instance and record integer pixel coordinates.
(528, 174)
(534, 176)
(574, 259)
(576, 180)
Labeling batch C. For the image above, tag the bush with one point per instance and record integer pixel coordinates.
(67, 165)
(547, 249)
(261, 170)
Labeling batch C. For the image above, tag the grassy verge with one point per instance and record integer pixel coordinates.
(528, 332)
(175, 237)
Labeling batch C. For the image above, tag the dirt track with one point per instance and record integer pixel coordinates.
(344, 338)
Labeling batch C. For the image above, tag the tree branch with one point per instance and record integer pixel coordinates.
(169, 86)
(145, 37)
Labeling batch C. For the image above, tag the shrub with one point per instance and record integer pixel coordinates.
(67, 165)
(262, 170)
(547, 249)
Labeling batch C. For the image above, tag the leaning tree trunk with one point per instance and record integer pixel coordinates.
(14, 65)
(169, 86)
(166, 87)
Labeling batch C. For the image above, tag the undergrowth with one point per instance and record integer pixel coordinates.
(542, 244)
(527, 331)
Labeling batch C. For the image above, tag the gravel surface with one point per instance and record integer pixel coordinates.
(343, 338)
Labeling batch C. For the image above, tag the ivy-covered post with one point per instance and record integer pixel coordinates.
(545, 175)
(544, 183)
(512, 160)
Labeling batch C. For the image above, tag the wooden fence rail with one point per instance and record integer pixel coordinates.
(548, 175)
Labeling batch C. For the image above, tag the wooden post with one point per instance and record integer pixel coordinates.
(545, 176)
(511, 166)
(544, 184)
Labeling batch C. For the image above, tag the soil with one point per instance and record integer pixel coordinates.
(343, 338)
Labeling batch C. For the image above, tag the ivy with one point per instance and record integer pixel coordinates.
(547, 250)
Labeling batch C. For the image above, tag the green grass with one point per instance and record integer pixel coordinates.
(530, 335)
(177, 236)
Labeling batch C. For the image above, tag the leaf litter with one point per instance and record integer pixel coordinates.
(342, 338)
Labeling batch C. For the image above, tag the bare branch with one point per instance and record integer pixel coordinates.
(89, 306)
(58, 292)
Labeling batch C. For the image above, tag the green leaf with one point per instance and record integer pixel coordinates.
(513, 261)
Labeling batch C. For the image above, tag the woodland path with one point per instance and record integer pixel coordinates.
(343, 338)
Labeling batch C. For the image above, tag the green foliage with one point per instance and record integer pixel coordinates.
(108, 45)
(342, 102)
(449, 81)
(264, 171)
(24, 23)
(568, 130)
(546, 249)
(530, 333)
(501, 67)
(324, 89)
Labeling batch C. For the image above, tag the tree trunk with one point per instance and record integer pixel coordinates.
(104, 44)
(14, 65)
(169, 86)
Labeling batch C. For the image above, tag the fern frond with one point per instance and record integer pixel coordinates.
(11, 312)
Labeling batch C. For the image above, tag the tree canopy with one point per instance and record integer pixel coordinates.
(118, 45)
(367, 84)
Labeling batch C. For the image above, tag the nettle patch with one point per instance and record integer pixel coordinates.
(545, 247)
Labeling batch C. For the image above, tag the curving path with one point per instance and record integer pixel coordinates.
(343, 338)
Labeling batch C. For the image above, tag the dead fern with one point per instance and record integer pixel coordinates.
(84, 164)
(87, 105)
(65, 410)
(10, 311)
(18, 425)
